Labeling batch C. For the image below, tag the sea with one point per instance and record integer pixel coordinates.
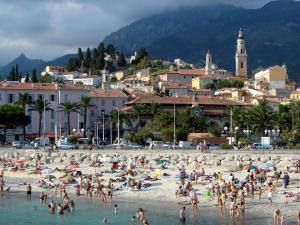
(16, 210)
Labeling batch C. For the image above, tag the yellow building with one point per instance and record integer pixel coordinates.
(201, 82)
(272, 77)
(295, 95)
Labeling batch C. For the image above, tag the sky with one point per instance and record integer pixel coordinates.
(45, 29)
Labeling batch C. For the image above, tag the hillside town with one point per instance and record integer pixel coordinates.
(114, 98)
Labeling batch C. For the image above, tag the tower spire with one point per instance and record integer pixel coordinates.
(241, 56)
(208, 63)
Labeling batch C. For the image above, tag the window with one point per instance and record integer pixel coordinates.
(242, 65)
(40, 97)
(114, 102)
(11, 98)
(92, 113)
(52, 126)
(52, 114)
(241, 50)
(0, 97)
(65, 125)
(52, 97)
(102, 102)
(66, 97)
(31, 98)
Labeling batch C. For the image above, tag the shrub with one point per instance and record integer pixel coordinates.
(73, 139)
(226, 146)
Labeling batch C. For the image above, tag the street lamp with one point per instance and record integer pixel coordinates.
(74, 130)
(103, 126)
(232, 131)
(174, 134)
(274, 132)
(247, 132)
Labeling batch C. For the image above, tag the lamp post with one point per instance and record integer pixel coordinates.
(247, 132)
(44, 125)
(74, 130)
(118, 127)
(231, 132)
(174, 134)
(103, 126)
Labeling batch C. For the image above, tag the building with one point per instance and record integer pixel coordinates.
(295, 95)
(105, 100)
(208, 64)
(234, 94)
(272, 77)
(54, 69)
(241, 57)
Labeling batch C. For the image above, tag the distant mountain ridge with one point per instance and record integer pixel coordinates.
(26, 65)
(272, 35)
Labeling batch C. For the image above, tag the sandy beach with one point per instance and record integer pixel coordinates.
(158, 171)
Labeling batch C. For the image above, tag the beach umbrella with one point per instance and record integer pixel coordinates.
(249, 167)
(71, 167)
(20, 161)
(156, 173)
(48, 171)
(266, 165)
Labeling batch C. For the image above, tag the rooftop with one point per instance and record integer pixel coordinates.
(38, 86)
(114, 93)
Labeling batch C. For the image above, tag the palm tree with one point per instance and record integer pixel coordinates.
(262, 116)
(68, 107)
(23, 101)
(138, 111)
(40, 106)
(86, 104)
(154, 108)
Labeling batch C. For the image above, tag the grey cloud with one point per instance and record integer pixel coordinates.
(49, 28)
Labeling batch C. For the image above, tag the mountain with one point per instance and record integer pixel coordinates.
(26, 65)
(272, 35)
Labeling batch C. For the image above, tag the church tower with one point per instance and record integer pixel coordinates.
(241, 56)
(208, 64)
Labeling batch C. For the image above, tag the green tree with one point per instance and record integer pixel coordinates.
(86, 105)
(68, 107)
(110, 50)
(23, 101)
(11, 117)
(138, 111)
(27, 79)
(141, 53)
(17, 72)
(262, 117)
(121, 62)
(45, 78)
(88, 58)
(33, 76)
(80, 56)
(40, 106)
(12, 75)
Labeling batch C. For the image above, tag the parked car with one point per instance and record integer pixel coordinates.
(134, 146)
(21, 144)
(260, 146)
(66, 146)
(185, 144)
(41, 141)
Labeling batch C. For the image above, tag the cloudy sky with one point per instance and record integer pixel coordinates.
(49, 28)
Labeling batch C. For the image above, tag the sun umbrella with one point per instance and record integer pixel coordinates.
(265, 165)
(20, 161)
(72, 167)
(249, 167)
(156, 173)
(48, 171)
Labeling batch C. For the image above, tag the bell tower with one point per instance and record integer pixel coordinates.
(208, 64)
(241, 56)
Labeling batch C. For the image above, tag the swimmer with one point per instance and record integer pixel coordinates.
(277, 216)
(116, 209)
(105, 221)
(133, 218)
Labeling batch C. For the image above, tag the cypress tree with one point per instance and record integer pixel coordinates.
(33, 76)
(27, 80)
(17, 72)
(88, 58)
(80, 56)
(121, 62)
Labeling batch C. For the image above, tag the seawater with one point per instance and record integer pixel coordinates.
(16, 210)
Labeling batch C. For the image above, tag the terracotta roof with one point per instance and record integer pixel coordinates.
(99, 93)
(195, 72)
(39, 86)
(183, 100)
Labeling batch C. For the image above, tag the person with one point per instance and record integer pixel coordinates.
(105, 221)
(277, 216)
(28, 192)
(36, 145)
(286, 180)
(72, 205)
(194, 203)
(182, 215)
(116, 209)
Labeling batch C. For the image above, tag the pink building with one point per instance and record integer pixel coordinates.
(105, 101)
